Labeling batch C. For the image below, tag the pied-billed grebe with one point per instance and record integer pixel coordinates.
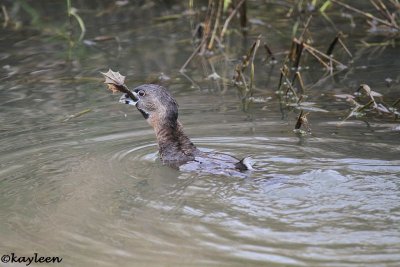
(160, 110)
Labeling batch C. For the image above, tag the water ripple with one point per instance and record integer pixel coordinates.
(301, 205)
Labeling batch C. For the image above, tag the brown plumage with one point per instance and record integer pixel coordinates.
(160, 110)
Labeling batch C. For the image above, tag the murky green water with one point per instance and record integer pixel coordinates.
(89, 189)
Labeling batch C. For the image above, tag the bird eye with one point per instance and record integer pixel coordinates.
(142, 93)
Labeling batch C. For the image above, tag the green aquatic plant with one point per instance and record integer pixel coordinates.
(73, 13)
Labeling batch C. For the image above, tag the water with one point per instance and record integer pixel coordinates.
(89, 188)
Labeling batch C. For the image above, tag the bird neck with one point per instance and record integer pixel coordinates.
(174, 144)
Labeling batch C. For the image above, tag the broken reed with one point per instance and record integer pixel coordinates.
(390, 18)
(245, 82)
(214, 28)
(247, 60)
(290, 75)
(240, 79)
(302, 121)
(291, 83)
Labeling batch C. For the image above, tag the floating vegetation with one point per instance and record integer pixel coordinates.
(103, 38)
(81, 113)
(370, 106)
